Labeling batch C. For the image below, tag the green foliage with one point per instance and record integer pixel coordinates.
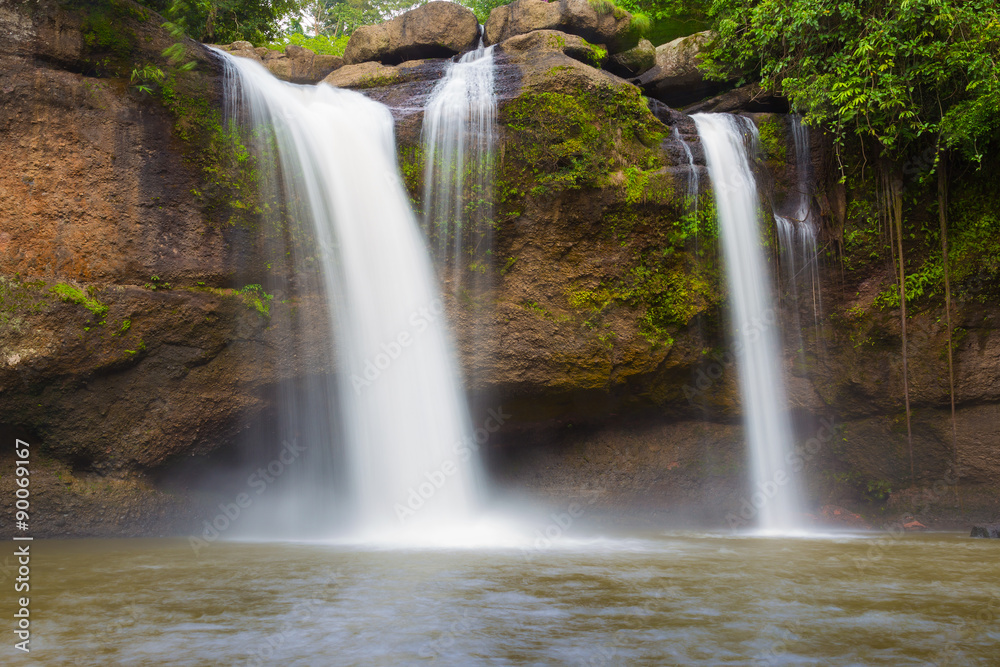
(338, 19)
(230, 172)
(900, 74)
(72, 294)
(109, 40)
(146, 79)
(773, 139)
(332, 46)
(102, 35)
(602, 6)
(156, 283)
(661, 21)
(875, 490)
(256, 298)
(973, 241)
(641, 23)
(225, 21)
(636, 182)
(597, 54)
(669, 282)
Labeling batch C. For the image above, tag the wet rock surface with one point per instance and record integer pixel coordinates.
(989, 530)
(99, 197)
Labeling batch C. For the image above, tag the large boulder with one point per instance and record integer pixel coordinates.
(538, 43)
(676, 78)
(434, 30)
(296, 64)
(749, 98)
(635, 61)
(577, 17)
(555, 62)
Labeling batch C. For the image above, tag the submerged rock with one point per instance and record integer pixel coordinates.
(576, 17)
(434, 30)
(986, 530)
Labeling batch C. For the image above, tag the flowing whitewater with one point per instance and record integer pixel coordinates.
(405, 424)
(691, 197)
(775, 494)
(798, 233)
(458, 138)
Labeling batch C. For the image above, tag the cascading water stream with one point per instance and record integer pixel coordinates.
(798, 234)
(692, 180)
(458, 137)
(775, 494)
(405, 422)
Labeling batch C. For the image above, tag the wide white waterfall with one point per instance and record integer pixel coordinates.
(775, 488)
(458, 137)
(411, 471)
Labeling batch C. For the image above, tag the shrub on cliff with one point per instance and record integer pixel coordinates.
(898, 73)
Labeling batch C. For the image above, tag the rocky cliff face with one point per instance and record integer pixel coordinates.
(127, 336)
(602, 334)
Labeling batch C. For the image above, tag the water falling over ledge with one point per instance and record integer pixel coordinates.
(775, 492)
(458, 138)
(407, 430)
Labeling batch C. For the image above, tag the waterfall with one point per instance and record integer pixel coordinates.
(692, 180)
(458, 135)
(798, 233)
(756, 344)
(404, 420)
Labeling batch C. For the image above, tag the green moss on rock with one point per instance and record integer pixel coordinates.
(76, 295)
(560, 141)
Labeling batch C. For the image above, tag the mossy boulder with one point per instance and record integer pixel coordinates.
(533, 45)
(635, 61)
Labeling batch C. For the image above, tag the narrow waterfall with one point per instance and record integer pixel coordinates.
(458, 137)
(405, 423)
(692, 181)
(798, 232)
(756, 345)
